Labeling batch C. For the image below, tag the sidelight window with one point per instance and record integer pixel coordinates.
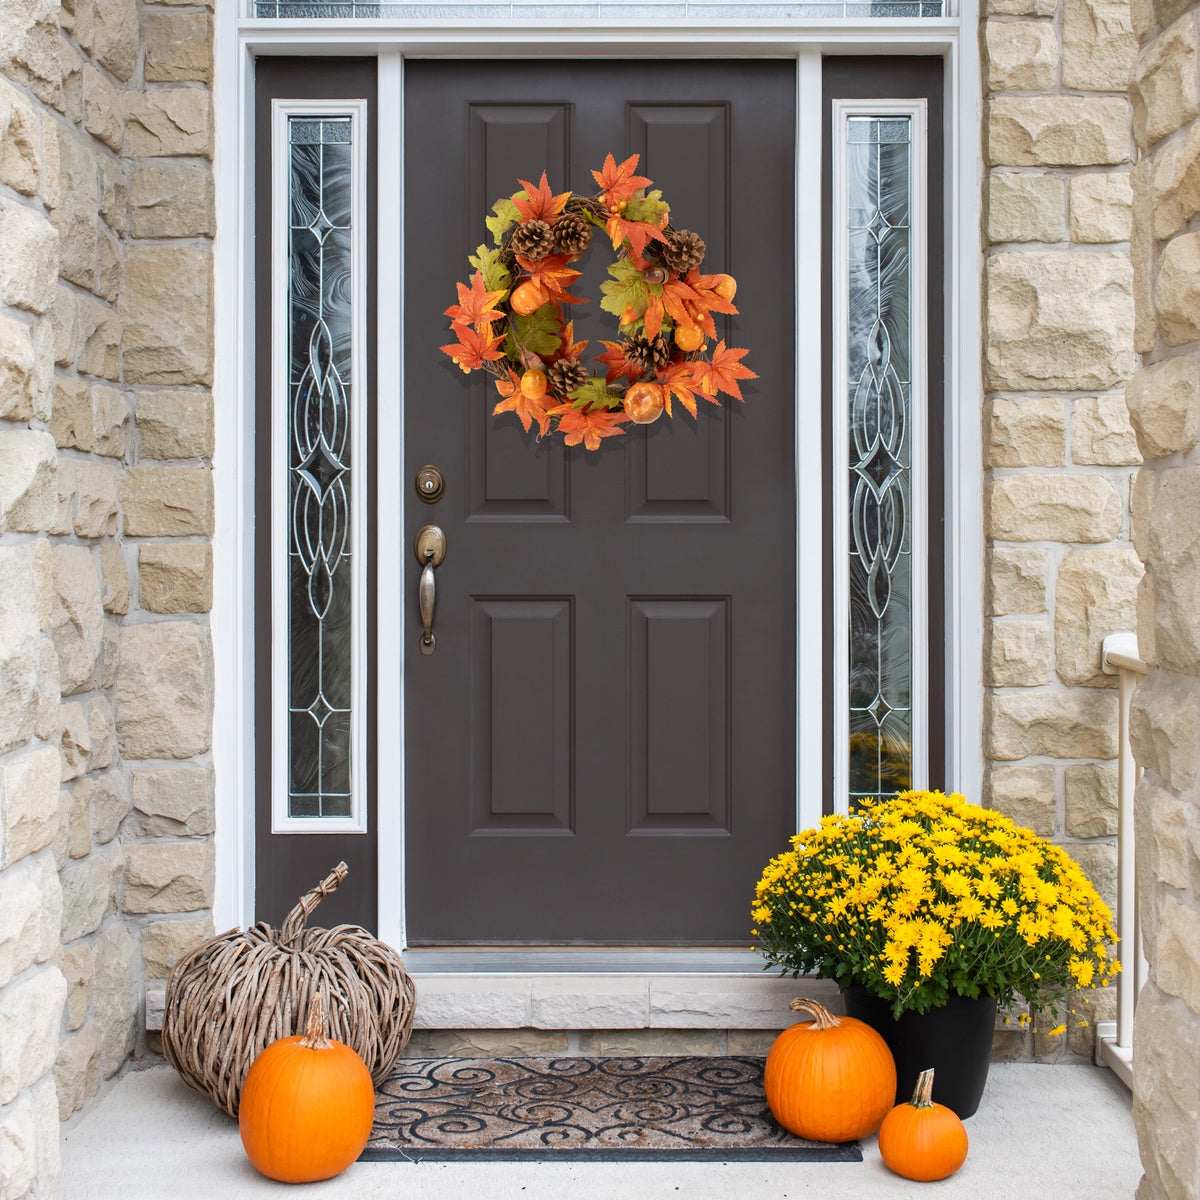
(648, 10)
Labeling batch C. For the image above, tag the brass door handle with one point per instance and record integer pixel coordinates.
(430, 548)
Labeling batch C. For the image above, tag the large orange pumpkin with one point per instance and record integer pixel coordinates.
(307, 1105)
(831, 1079)
(922, 1140)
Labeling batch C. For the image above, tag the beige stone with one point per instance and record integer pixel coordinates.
(175, 424)
(29, 791)
(168, 314)
(1020, 56)
(108, 266)
(1090, 790)
(1101, 435)
(76, 742)
(30, 1018)
(97, 499)
(1057, 131)
(174, 801)
(176, 577)
(1141, 255)
(1162, 835)
(103, 733)
(1031, 722)
(169, 200)
(78, 965)
(73, 206)
(1020, 8)
(1177, 290)
(90, 890)
(100, 331)
(1164, 406)
(1099, 45)
(114, 194)
(1165, 88)
(1017, 653)
(110, 655)
(114, 36)
(64, 325)
(1043, 507)
(77, 616)
(475, 1043)
(19, 165)
(16, 369)
(71, 421)
(102, 116)
(164, 690)
(169, 122)
(168, 502)
(30, 915)
(169, 877)
(19, 659)
(1164, 13)
(178, 47)
(1025, 208)
(1102, 207)
(1164, 728)
(29, 49)
(634, 1043)
(1023, 794)
(1099, 863)
(115, 576)
(78, 817)
(1016, 580)
(1095, 595)
(116, 994)
(71, 62)
(62, 521)
(110, 806)
(1024, 433)
(1174, 173)
(1174, 561)
(1058, 321)
(110, 416)
(28, 258)
(1141, 510)
(47, 724)
(77, 1069)
(165, 942)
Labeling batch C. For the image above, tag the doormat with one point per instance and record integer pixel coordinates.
(602, 1109)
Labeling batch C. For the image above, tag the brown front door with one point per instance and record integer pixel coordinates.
(602, 747)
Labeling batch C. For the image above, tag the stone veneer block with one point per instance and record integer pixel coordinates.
(1099, 45)
(1174, 172)
(1025, 433)
(113, 37)
(30, 1019)
(1164, 406)
(176, 577)
(102, 116)
(1102, 207)
(168, 123)
(31, 904)
(1091, 800)
(168, 502)
(1025, 208)
(16, 369)
(1162, 833)
(19, 656)
(1166, 86)
(174, 801)
(77, 964)
(71, 421)
(29, 793)
(178, 47)
(164, 943)
(1016, 580)
(1177, 290)
(591, 1003)
(175, 424)
(77, 1069)
(1057, 131)
(28, 258)
(110, 805)
(169, 877)
(100, 332)
(1164, 728)
(1017, 653)
(110, 416)
(164, 690)
(1023, 794)
(28, 480)
(77, 618)
(1173, 562)
(115, 996)
(19, 165)
(173, 200)
(1057, 508)
(1058, 321)
(1101, 435)
(1020, 56)
(486, 1043)
(1030, 723)
(1095, 594)
(168, 314)
(115, 576)
(90, 887)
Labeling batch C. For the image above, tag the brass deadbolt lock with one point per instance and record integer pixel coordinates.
(430, 484)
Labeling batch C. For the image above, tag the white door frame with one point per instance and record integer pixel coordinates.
(238, 42)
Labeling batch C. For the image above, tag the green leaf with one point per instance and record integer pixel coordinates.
(626, 289)
(506, 213)
(539, 332)
(495, 274)
(595, 391)
(648, 208)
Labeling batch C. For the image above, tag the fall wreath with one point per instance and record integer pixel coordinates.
(509, 321)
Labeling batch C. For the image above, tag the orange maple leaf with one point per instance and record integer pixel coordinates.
(570, 348)
(618, 364)
(653, 316)
(587, 427)
(678, 382)
(474, 305)
(539, 203)
(528, 409)
(681, 302)
(722, 374)
(618, 183)
(553, 273)
(705, 287)
(475, 346)
(637, 232)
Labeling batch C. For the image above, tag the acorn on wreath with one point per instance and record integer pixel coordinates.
(509, 320)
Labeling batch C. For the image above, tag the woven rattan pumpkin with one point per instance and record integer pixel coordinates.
(238, 992)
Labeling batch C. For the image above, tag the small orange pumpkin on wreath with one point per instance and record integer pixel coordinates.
(509, 321)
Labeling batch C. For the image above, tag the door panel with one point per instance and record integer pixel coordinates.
(601, 748)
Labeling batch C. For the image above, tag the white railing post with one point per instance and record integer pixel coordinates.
(1114, 1040)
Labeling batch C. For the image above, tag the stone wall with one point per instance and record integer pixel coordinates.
(106, 678)
(1164, 402)
(1059, 453)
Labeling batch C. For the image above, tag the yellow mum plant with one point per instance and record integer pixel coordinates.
(924, 895)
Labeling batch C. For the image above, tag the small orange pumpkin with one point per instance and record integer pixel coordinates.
(922, 1140)
(307, 1105)
(831, 1079)
(644, 402)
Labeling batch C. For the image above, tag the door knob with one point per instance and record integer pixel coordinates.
(430, 548)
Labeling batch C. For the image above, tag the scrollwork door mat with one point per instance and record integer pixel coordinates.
(602, 1109)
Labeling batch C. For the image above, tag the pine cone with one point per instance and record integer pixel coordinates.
(683, 251)
(649, 355)
(565, 376)
(533, 240)
(572, 234)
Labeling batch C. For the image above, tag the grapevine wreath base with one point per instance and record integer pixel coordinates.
(509, 321)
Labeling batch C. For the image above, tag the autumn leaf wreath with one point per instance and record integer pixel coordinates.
(509, 321)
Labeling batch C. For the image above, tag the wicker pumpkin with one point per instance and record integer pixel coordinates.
(831, 1079)
(240, 991)
(922, 1140)
(307, 1105)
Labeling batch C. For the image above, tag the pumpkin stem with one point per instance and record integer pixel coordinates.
(923, 1092)
(316, 1032)
(294, 922)
(822, 1017)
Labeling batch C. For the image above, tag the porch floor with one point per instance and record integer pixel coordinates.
(1064, 1130)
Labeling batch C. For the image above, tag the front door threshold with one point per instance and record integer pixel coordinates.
(579, 989)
